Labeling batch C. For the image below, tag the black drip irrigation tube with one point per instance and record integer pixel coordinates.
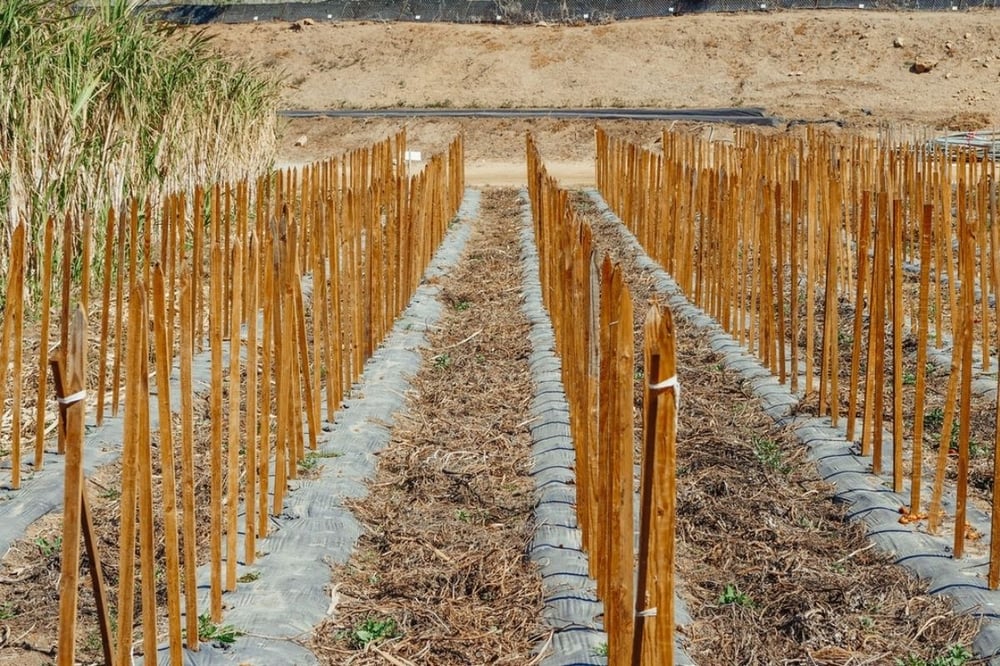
(573, 12)
(735, 116)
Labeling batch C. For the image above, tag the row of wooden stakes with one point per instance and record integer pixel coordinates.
(806, 250)
(361, 231)
(592, 316)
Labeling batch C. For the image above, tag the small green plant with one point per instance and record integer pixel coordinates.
(601, 650)
(249, 577)
(731, 596)
(311, 462)
(48, 547)
(934, 418)
(442, 361)
(92, 642)
(463, 515)
(462, 305)
(219, 634)
(955, 656)
(111, 493)
(909, 378)
(7, 611)
(768, 454)
(371, 630)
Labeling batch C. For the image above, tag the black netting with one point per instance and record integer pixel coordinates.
(524, 11)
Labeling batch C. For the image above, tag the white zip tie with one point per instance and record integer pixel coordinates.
(649, 612)
(73, 397)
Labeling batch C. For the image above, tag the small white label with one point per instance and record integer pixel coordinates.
(417, 17)
(586, 17)
(254, 18)
(412, 156)
(763, 5)
(330, 16)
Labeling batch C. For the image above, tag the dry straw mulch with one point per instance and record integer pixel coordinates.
(441, 575)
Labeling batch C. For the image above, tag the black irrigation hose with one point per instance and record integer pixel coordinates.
(747, 116)
(505, 12)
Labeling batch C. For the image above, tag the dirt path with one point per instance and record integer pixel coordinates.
(440, 571)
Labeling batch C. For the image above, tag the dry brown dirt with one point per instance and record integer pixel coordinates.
(798, 65)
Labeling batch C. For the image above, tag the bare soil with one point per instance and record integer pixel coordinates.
(812, 65)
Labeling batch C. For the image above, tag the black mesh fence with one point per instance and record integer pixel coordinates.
(523, 11)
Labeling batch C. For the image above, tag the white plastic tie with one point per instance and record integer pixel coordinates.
(668, 383)
(671, 383)
(72, 398)
(649, 612)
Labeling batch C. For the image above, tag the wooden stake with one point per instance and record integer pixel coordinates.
(215, 323)
(233, 449)
(102, 361)
(166, 448)
(923, 322)
(188, 297)
(653, 642)
(73, 489)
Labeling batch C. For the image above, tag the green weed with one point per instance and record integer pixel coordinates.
(219, 634)
(371, 630)
(731, 596)
(48, 547)
(768, 453)
(7, 611)
(955, 656)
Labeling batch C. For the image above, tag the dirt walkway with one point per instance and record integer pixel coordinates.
(440, 575)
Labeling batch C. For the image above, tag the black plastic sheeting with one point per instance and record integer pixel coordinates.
(741, 116)
(523, 11)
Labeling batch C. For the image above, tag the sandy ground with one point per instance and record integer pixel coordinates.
(822, 66)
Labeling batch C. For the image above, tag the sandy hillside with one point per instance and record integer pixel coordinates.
(804, 65)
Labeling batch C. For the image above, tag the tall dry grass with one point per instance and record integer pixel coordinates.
(102, 105)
